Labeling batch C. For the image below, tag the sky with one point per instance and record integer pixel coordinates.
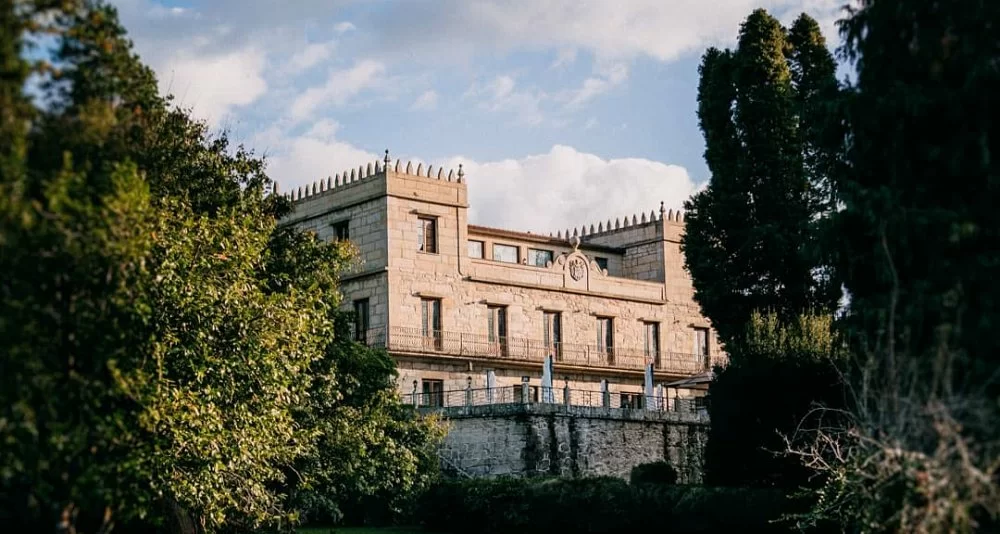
(562, 112)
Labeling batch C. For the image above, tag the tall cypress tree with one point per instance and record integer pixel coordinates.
(751, 234)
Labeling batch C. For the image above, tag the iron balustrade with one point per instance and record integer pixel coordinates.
(415, 340)
(530, 394)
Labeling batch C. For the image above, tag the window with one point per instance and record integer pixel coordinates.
(701, 345)
(476, 249)
(601, 262)
(430, 321)
(433, 392)
(361, 320)
(341, 230)
(505, 253)
(553, 334)
(532, 392)
(538, 257)
(652, 342)
(632, 401)
(427, 235)
(605, 337)
(498, 329)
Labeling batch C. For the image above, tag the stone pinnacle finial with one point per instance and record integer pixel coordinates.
(387, 160)
(663, 209)
(461, 173)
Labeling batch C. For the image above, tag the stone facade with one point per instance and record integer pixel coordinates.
(572, 441)
(462, 306)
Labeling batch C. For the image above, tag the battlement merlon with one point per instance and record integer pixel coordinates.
(379, 179)
(434, 185)
(637, 229)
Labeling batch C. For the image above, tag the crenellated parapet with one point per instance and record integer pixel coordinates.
(626, 223)
(364, 173)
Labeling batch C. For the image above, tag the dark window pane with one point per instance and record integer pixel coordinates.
(341, 230)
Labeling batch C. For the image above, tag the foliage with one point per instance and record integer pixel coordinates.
(752, 236)
(783, 374)
(919, 235)
(15, 110)
(146, 363)
(653, 473)
(595, 505)
(168, 356)
(374, 453)
(805, 337)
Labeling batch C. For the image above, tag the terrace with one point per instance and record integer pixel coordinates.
(465, 344)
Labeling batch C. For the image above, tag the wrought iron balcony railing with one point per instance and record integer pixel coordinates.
(414, 340)
(528, 394)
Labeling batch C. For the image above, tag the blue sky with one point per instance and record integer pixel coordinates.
(563, 112)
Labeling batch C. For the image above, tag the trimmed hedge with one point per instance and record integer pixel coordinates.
(653, 473)
(596, 505)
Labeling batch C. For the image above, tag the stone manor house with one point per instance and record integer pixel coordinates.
(599, 315)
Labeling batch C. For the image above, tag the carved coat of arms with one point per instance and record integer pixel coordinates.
(577, 269)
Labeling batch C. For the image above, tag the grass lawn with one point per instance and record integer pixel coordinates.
(360, 530)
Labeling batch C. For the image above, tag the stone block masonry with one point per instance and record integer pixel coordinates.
(572, 441)
(451, 301)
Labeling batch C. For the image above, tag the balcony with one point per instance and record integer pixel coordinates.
(529, 394)
(445, 343)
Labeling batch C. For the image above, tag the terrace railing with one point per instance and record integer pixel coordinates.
(414, 340)
(521, 394)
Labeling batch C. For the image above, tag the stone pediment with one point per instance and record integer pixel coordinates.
(576, 268)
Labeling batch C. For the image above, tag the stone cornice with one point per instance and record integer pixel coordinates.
(486, 231)
(493, 281)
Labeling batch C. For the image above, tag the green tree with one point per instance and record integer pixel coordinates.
(770, 392)
(372, 453)
(161, 339)
(919, 229)
(751, 236)
(15, 110)
(919, 233)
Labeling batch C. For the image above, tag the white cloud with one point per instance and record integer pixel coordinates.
(501, 95)
(324, 129)
(662, 30)
(342, 27)
(565, 187)
(212, 85)
(310, 56)
(565, 57)
(540, 193)
(317, 154)
(340, 86)
(595, 86)
(426, 101)
(215, 56)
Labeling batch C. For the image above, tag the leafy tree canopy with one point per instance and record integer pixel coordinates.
(752, 236)
(168, 355)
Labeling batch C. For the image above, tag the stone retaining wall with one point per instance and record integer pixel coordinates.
(549, 440)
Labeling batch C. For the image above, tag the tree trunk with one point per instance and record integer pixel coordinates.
(180, 521)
